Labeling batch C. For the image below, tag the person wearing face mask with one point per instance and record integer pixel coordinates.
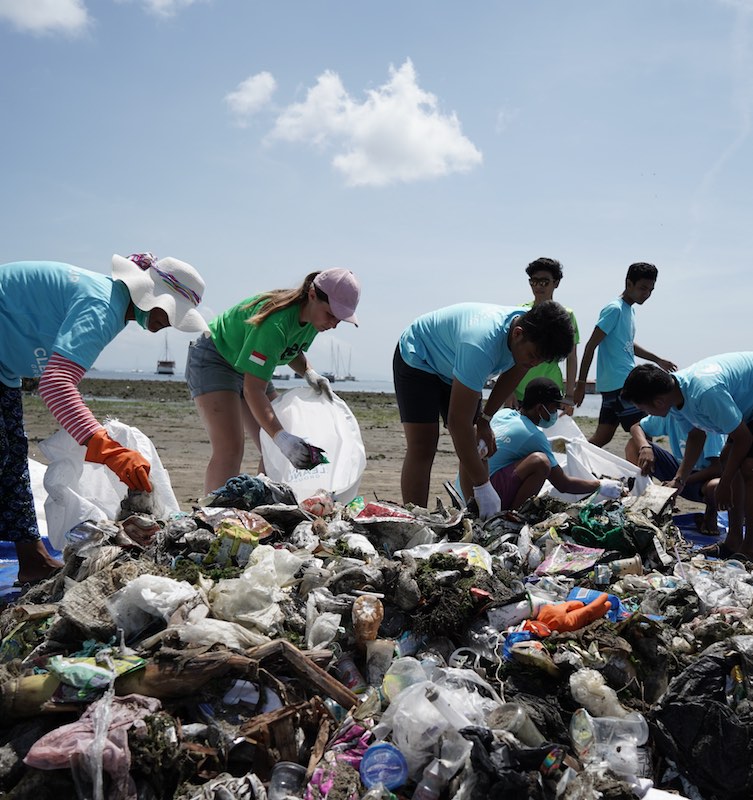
(229, 369)
(524, 458)
(55, 319)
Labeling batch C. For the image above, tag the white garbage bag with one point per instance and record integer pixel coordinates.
(78, 490)
(326, 424)
(585, 460)
(36, 476)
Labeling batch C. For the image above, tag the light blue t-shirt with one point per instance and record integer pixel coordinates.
(516, 437)
(718, 392)
(676, 428)
(47, 307)
(616, 357)
(467, 341)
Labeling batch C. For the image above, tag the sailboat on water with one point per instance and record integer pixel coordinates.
(166, 365)
(337, 373)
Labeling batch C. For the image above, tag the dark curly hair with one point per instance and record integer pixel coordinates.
(641, 269)
(551, 265)
(548, 326)
(645, 382)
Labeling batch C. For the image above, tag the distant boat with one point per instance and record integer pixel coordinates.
(281, 376)
(330, 376)
(349, 376)
(166, 366)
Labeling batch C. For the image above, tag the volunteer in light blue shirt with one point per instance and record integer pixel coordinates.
(714, 395)
(663, 464)
(614, 336)
(440, 366)
(55, 319)
(524, 459)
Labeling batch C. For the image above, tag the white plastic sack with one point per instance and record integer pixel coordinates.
(582, 459)
(78, 490)
(326, 424)
(36, 476)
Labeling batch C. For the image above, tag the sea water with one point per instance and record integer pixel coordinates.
(590, 407)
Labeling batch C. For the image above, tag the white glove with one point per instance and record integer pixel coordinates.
(483, 450)
(487, 499)
(318, 383)
(610, 488)
(295, 449)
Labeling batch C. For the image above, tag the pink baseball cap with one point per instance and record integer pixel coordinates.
(343, 292)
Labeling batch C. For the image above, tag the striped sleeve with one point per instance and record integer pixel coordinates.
(57, 388)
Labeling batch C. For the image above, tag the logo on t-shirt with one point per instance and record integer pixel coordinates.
(258, 358)
(290, 352)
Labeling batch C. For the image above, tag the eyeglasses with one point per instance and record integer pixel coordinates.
(539, 281)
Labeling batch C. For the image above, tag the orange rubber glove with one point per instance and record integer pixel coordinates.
(131, 467)
(573, 614)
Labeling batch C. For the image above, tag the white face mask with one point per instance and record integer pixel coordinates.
(548, 418)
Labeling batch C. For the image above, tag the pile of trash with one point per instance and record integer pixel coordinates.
(259, 647)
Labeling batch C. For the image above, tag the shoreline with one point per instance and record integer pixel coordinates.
(164, 411)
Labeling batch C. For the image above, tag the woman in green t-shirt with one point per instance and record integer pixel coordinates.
(229, 369)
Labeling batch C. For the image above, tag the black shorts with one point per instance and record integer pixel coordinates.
(421, 396)
(615, 411)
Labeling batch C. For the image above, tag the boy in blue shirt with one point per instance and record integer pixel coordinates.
(663, 464)
(524, 457)
(714, 395)
(614, 335)
(441, 363)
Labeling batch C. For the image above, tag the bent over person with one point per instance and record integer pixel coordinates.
(229, 370)
(714, 395)
(55, 319)
(440, 365)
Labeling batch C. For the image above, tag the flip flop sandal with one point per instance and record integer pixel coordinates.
(717, 550)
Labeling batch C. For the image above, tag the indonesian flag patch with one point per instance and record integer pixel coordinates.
(258, 358)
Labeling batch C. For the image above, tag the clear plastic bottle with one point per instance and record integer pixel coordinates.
(431, 784)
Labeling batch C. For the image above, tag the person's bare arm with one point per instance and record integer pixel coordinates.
(641, 352)
(563, 482)
(597, 337)
(255, 395)
(460, 424)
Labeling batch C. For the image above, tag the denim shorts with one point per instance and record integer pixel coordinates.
(207, 371)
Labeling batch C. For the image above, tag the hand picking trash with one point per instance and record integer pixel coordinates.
(299, 452)
(55, 319)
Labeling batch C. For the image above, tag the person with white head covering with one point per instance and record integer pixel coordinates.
(55, 319)
(229, 371)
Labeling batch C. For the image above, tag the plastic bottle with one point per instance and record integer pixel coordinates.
(457, 719)
(431, 784)
(367, 614)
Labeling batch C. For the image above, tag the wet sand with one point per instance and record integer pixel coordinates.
(164, 411)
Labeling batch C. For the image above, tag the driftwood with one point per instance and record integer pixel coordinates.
(182, 675)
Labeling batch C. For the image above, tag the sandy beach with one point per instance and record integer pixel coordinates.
(164, 411)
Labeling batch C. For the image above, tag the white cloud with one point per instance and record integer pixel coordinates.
(251, 95)
(45, 16)
(396, 134)
(164, 8)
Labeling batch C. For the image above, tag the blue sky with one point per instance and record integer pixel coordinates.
(434, 148)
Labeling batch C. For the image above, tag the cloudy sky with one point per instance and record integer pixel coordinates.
(433, 147)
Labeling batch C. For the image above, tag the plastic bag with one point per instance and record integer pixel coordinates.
(326, 424)
(78, 490)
